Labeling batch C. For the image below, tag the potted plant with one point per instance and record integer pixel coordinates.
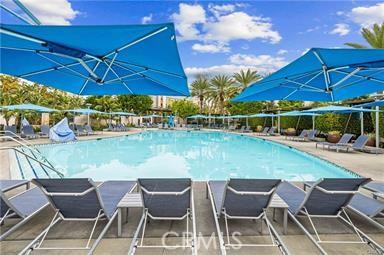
(290, 132)
(333, 136)
(371, 140)
(259, 128)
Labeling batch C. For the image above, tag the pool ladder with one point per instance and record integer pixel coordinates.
(34, 155)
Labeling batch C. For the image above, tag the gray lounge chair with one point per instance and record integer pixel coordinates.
(44, 130)
(358, 145)
(344, 140)
(248, 130)
(29, 133)
(89, 130)
(242, 129)
(80, 199)
(80, 130)
(326, 198)
(10, 131)
(302, 135)
(368, 208)
(376, 187)
(166, 199)
(310, 136)
(6, 185)
(24, 205)
(245, 199)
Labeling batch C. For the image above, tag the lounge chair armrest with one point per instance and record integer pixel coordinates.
(251, 192)
(176, 193)
(335, 191)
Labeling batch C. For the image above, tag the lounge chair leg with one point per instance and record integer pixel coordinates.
(96, 243)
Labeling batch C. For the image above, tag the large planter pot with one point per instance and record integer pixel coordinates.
(290, 133)
(371, 142)
(333, 138)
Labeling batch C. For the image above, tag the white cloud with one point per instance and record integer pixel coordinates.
(264, 64)
(187, 19)
(282, 52)
(52, 12)
(146, 19)
(341, 29)
(227, 24)
(210, 48)
(367, 15)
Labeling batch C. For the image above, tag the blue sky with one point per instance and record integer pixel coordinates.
(222, 36)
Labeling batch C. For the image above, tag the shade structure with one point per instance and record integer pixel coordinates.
(239, 116)
(122, 113)
(379, 103)
(261, 115)
(322, 75)
(198, 116)
(96, 60)
(28, 107)
(298, 113)
(151, 116)
(85, 111)
(336, 109)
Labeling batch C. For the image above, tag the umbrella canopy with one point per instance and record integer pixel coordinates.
(28, 107)
(336, 109)
(262, 115)
(379, 103)
(198, 116)
(322, 75)
(85, 111)
(151, 116)
(298, 113)
(96, 60)
(122, 113)
(239, 116)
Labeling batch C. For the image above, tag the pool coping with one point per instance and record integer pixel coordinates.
(306, 153)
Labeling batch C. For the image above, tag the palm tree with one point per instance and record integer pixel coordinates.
(246, 78)
(223, 88)
(200, 88)
(374, 37)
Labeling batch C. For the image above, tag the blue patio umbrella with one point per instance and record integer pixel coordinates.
(322, 75)
(299, 114)
(27, 107)
(377, 104)
(95, 60)
(198, 116)
(122, 113)
(85, 111)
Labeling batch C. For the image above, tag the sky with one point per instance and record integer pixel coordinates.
(217, 37)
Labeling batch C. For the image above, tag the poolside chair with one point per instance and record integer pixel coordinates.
(344, 140)
(242, 129)
(166, 199)
(271, 131)
(80, 130)
(376, 187)
(44, 130)
(10, 131)
(24, 205)
(263, 132)
(80, 199)
(248, 130)
(309, 136)
(302, 135)
(89, 130)
(326, 198)
(29, 133)
(243, 199)
(358, 145)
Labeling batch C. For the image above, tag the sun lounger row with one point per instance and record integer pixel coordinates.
(172, 199)
(26, 132)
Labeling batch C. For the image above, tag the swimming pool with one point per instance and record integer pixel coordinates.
(199, 155)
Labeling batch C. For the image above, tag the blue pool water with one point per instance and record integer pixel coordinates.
(199, 155)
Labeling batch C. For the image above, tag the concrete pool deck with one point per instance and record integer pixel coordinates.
(75, 233)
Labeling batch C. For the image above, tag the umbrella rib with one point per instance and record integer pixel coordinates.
(125, 76)
(151, 69)
(127, 87)
(365, 77)
(349, 75)
(15, 14)
(57, 63)
(87, 80)
(361, 79)
(304, 85)
(109, 66)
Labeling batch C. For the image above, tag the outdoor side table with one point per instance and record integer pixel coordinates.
(130, 200)
(278, 203)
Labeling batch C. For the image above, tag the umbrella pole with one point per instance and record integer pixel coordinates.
(377, 127)
(361, 123)
(246, 121)
(313, 123)
(265, 121)
(298, 121)
(278, 122)
(349, 118)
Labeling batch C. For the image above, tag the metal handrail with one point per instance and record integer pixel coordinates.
(41, 163)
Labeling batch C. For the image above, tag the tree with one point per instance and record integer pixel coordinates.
(374, 37)
(244, 79)
(103, 103)
(184, 108)
(135, 103)
(222, 89)
(200, 89)
(243, 108)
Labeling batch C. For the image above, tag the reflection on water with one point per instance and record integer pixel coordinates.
(199, 155)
